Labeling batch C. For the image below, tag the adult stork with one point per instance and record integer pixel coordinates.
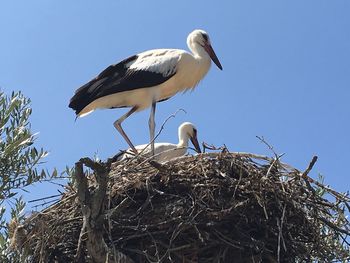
(142, 80)
(165, 151)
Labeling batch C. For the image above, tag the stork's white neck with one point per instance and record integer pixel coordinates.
(203, 61)
(183, 138)
(198, 51)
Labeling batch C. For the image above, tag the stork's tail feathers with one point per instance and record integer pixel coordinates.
(74, 105)
(80, 100)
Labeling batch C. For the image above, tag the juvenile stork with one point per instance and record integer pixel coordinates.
(142, 80)
(164, 151)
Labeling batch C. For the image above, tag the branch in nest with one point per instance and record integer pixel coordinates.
(341, 197)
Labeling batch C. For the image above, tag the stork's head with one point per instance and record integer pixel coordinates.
(188, 131)
(199, 39)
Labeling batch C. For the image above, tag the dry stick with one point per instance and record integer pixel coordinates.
(233, 154)
(328, 189)
(44, 211)
(270, 167)
(277, 156)
(238, 154)
(262, 139)
(311, 165)
(211, 147)
(44, 198)
(53, 202)
(309, 180)
(280, 234)
(331, 225)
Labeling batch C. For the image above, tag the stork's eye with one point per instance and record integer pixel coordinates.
(205, 37)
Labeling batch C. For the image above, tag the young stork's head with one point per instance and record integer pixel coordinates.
(188, 131)
(199, 41)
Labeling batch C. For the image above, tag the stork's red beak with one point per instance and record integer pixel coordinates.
(211, 52)
(195, 143)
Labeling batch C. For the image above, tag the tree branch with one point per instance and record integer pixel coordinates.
(92, 207)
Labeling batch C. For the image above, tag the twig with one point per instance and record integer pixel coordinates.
(280, 234)
(328, 189)
(331, 225)
(262, 139)
(309, 168)
(44, 198)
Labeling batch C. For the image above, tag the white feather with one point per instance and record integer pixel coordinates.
(158, 60)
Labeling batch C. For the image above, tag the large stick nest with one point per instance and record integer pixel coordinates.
(220, 207)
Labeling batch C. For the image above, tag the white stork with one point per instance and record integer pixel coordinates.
(142, 80)
(165, 151)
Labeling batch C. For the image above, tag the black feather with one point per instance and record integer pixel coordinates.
(114, 79)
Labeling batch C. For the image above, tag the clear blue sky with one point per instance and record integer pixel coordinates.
(286, 75)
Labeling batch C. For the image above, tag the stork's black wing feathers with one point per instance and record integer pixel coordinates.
(114, 79)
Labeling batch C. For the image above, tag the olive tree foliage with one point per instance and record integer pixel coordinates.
(18, 166)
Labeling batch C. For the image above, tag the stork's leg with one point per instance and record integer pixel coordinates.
(118, 125)
(152, 125)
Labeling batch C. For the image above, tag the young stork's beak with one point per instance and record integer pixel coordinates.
(195, 143)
